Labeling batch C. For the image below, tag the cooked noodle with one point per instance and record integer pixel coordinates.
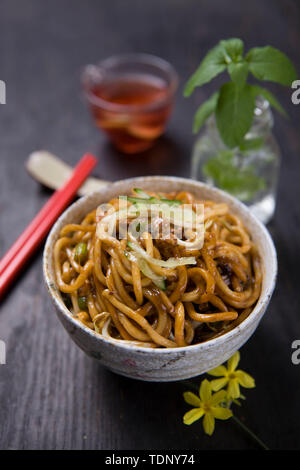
(119, 289)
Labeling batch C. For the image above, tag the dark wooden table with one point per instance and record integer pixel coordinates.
(51, 395)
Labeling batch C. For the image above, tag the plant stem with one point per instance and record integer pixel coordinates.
(250, 433)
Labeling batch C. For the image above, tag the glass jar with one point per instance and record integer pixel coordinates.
(249, 172)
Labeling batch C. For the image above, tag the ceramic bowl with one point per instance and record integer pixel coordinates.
(162, 364)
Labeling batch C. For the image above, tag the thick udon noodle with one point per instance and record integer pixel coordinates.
(108, 293)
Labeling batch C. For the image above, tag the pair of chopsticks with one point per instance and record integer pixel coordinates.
(30, 239)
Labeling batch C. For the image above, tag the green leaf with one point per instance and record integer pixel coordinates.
(215, 62)
(238, 72)
(242, 183)
(258, 90)
(268, 63)
(234, 48)
(234, 113)
(204, 111)
(251, 144)
(212, 65)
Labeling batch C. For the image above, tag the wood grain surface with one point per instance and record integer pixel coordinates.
(51, 395)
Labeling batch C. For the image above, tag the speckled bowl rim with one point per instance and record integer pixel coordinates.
(260, 306)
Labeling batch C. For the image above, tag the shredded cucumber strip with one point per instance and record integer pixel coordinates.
(141, 193)
(170, 263)
(159, 281)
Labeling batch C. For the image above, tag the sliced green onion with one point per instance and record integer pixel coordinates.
(82, 303)
(170, 263)
(80, 253)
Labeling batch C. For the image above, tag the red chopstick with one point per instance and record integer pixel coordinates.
(38, 228)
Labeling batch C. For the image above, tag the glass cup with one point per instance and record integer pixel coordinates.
(131, 98)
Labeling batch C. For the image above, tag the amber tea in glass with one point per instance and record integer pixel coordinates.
(131, 98)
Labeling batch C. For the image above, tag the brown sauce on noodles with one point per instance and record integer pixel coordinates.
(108, 292)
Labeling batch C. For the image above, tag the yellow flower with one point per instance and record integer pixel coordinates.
(231, 377)
(207, 405)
